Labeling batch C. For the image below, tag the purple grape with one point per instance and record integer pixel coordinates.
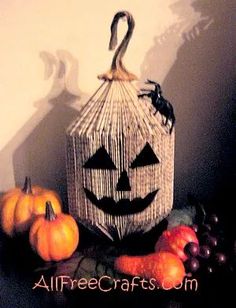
(211, 241)
(191, 265)
(205, 251)
(222, 243)
(210, 269)
(191, 249)
(206, 228)
(220, 258)
(213, 219)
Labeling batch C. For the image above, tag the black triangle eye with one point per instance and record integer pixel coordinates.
(145, 157)
(100, 160)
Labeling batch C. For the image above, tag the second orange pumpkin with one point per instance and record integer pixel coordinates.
(54, 237)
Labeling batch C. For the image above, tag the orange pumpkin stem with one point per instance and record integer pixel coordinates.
(50, 214)
(27, 188)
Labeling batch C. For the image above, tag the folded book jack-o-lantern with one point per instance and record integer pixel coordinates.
(120, 155)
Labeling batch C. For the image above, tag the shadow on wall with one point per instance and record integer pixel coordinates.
(201, 86)
(38, 150)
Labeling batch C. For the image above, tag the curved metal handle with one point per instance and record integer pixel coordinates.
(118, 71)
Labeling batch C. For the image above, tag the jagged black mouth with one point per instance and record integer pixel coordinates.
(123, 206)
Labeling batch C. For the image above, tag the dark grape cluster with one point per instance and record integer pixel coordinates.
(209, 255)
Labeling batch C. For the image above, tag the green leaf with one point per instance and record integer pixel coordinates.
(183, 216)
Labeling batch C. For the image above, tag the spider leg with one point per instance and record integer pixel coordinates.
(151, 82)
(148, 94)
(145, 90)
(166, 121)
(171, 128)
(141, 95)
(172, 123)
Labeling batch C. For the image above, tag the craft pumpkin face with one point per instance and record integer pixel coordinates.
(119, 194)
(120, 156)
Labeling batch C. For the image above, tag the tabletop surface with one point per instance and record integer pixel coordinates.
(20, 270)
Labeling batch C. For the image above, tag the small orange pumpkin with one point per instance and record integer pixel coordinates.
(54, 237)
(18, 207)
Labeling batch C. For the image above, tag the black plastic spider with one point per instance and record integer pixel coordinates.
(159, 102)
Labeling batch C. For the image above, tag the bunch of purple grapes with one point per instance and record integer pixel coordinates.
(209, 254)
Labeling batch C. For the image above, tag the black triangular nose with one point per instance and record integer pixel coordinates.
(123, 182)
